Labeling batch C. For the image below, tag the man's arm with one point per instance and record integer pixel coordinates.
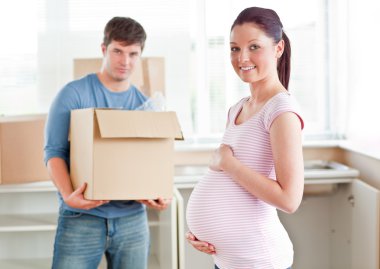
(57, 149)
(74, 198)
(58, 172)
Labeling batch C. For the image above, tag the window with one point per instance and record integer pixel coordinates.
(18, 57)
(305, 24)
(36, 57)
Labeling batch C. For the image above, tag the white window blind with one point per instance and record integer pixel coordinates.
(308, 34)
(18, 61)
(155, 16)
(37, 53)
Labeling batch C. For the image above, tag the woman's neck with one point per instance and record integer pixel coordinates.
(263, 90)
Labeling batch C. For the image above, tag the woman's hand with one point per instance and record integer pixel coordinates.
(158, 204)
(76, 199)
(200, 245)
(221, 158)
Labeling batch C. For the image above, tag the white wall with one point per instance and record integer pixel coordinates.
(64, 48)
(363, 108)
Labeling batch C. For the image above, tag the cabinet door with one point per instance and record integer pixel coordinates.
(365, 226)
(191, 258)
(180, 229)
(163, 232)
(167, 236)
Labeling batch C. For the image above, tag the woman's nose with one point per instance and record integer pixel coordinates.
(244, 55)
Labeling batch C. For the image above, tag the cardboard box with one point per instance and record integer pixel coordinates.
(123, 155)
(148, 76)
(21, 149)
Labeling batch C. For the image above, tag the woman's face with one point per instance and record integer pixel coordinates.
(253, 54)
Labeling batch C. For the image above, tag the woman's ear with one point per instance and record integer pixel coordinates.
(280, 48)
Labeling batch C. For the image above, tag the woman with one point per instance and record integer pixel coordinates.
(258, 168)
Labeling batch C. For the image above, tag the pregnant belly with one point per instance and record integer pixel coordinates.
(224, 214)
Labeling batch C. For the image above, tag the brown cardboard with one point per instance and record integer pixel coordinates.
(123, 155)
(153, 69)
(21, 149)
(148, 76)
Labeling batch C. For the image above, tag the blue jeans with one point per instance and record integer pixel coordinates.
(82, 239)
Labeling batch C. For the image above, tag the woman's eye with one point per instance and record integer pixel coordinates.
(254, 47)
(234, 49)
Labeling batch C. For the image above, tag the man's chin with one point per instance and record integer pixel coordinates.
(121, 78)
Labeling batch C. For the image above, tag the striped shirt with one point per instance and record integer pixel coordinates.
(245, 231)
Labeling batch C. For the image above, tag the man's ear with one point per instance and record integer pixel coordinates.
(104, 49)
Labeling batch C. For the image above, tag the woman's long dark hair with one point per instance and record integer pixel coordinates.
(270, 23)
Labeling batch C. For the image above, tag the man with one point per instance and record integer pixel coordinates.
(87, 229)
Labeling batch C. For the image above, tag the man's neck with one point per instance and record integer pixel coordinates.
(113, 85)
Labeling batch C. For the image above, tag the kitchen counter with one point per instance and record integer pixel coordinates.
(316, 172)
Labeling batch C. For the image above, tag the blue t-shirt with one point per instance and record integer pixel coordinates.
(87, 92)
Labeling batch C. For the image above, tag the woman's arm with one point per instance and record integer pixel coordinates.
(286, 141)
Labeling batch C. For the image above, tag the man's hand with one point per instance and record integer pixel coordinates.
(76, 199)
(158, 204)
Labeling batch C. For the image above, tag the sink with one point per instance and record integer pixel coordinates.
(317, 165)
(190, 170)
(188, 175)
(314, 169)
(328, 169)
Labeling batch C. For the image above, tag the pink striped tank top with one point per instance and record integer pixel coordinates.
(245, 231)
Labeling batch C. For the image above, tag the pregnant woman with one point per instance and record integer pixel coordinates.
(258, 168)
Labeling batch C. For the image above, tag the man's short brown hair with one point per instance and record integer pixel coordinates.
(126, 30)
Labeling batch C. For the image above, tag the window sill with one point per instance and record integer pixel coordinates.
(367, 148)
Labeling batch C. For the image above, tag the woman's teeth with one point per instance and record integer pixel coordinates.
(246, 68)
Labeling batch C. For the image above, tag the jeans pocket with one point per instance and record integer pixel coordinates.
(64, 213)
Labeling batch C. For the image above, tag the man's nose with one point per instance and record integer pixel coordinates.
(126, 60)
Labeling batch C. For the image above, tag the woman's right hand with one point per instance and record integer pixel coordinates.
(76, 199)
(200, 245)
(221, 157)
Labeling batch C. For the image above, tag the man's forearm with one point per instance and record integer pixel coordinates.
(59, 173)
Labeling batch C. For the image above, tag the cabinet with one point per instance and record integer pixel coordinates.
(338, 230)
(191, 258)
(28, 217)
(335, 227)
(185, 180)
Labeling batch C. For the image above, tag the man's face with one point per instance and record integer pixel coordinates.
(120, 60)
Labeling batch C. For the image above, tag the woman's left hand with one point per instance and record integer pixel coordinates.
(158, 204)
(200, 245)
(220, 157)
